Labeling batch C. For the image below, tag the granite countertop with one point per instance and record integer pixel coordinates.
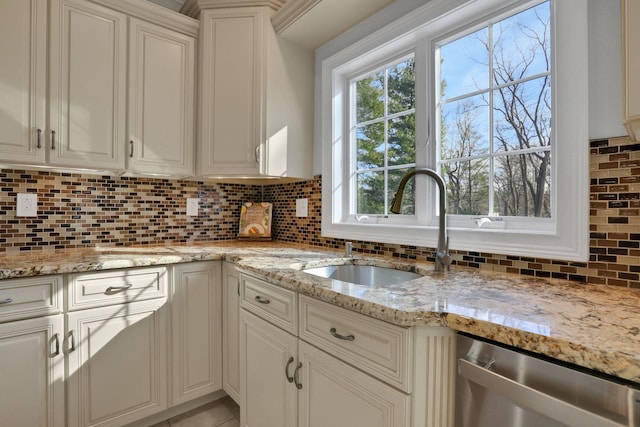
(593, 326)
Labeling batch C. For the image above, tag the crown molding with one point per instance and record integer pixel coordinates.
(192, 8)
(152, 12)
(290, 13)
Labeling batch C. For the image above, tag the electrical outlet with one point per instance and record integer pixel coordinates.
(302, 208)
(26, 204)
(192, 207)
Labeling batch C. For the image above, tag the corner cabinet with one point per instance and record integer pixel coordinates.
(231, 331)
(630, 12)
(256, 98)
(196, 330)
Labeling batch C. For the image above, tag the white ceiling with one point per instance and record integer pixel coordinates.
(328, 18)
(325, 20)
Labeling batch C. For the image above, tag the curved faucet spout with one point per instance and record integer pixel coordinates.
(443, 258)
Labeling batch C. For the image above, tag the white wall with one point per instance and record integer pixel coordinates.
(605, 74)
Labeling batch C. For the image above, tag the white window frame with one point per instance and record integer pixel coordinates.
(564, 237)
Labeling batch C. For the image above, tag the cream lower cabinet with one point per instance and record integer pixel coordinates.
(335, 394)
(286, 381)
(32, 373)
(117, 364)
(326, 366)
(231, 331)
(116, 345)
(268, 361)
(31, 352)
(290, 383)
(196, 330)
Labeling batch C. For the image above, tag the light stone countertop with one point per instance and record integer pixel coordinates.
(593, 326)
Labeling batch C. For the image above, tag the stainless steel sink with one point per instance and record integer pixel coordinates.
(363, 274)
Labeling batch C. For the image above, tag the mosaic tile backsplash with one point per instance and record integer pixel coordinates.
(76, 211)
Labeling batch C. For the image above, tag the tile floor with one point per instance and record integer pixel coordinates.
(221, 413)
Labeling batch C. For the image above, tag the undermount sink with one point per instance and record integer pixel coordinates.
(363, 274)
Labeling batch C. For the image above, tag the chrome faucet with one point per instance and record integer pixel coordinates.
(443, 258)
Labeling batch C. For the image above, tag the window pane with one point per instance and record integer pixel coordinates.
(408, 199)
(467, 187)
(402, 140)
(522, 115)
(370, 97)
(464, 65)
(370, 193)
(521, 45)
(370, 146)
(522, 185)
(401, 81)
(464, 128)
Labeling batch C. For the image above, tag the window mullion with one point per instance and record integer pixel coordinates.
(491, 127)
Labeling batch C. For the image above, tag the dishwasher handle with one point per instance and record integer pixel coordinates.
(536, 400)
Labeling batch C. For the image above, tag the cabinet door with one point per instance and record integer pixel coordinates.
(117, 363)
(268, 356)
(232, 70)
(338, 395)
(88, 54)
(32, 373)
(23, 79)
(630, 10)
(161, 100)
(231, 331)
(196, 324)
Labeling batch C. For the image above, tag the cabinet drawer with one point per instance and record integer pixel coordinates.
(378, 348)
(272, 303)
(30, 297)
(87, 290)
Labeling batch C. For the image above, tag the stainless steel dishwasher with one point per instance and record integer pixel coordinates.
(498, 386)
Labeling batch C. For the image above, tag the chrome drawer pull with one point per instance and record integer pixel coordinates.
(286, 370)
(341, 337)
(56, 338)
(72, 339)
(115, 289)
(6, 301)
(295, 376)
(262, 300)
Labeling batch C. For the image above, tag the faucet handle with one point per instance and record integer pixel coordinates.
(445, 256)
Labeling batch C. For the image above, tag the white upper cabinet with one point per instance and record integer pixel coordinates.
(161, 100)
(74, 66)
(630, 11)
(88, 65)
(256, 98)
(23, 45)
